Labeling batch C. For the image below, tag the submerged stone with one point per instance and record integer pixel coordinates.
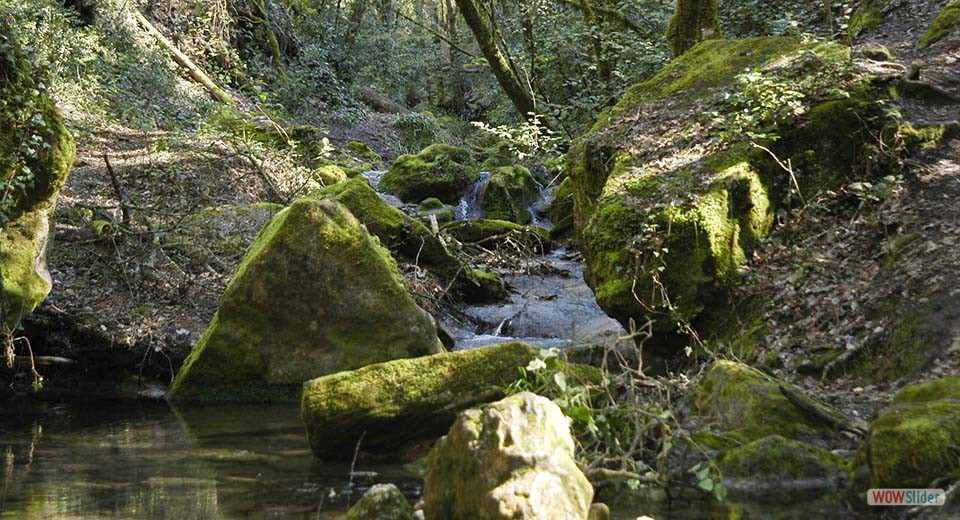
(441, 171)
(314, 295)
(513, 459)
(381, 502)
(394, 405)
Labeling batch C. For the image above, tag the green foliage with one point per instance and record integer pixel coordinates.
(530, 138)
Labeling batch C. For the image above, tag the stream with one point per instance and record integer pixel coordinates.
(79, 460)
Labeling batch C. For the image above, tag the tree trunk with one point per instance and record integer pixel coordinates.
(693, 22)
(502, 68)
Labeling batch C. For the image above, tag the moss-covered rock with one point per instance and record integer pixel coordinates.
(381, 502)
(314, 295)
(508, 193)
(442, 171)
(913, 443)
(409, 238)
(945, 23)
(561, 209)
(401, 402)
(746, 405)
(329, 174)
(437, 209)
(776, 462)
(506, 460)
(491, 233)
(672, 224)
(36, 154)
(363, 151)
(430, 204)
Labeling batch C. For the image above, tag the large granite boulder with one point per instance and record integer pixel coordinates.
(314, 295)
(389, 407)
(507, 460)
(36, 154)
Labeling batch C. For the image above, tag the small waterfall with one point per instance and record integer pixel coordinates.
(374, 177)
(469, 206)
(539, 208)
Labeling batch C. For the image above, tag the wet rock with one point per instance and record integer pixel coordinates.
(912, 444)
(561, 210)
(507, 460)
(491, 233)
(441, 171)
(774, 463)
(508, 194)
(314, 295)
(381, 502)
(747, 405)
(26, 216)
(403, 402)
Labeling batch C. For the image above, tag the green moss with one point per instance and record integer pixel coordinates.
(409, 238)
(381, 502)
(363, 151)
(936, 390)
(561, 209)
(945, 23)
(742, 402)
(27, 213)
(508, 194)
(330, 174)
(774, 459)
(870, 15)
(877, 53)
(490, 233)
(312, 268)
(430, 204)
(693, 22)
(402, 401)
(913, 445)
(441, 171)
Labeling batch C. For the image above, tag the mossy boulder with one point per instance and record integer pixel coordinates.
(442, 171)
(747, 405)
(945, 23)
(508, 193)
(492, 233)
(407, 237)
(913, 443)
(315, 294)
(381, 502)
(36, 154)
(363, 151)
(506, 460)
(329, 174)
(683, 216)
(774, 462)
(561, 209)
(402, 402)
(435, 208)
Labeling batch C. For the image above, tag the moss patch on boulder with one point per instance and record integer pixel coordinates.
(491, 233)
(442, 171)
(409, 238)
(945, 23)
(36, 154)
(381, 502)
(508, 193)
(867, 17)
(776, 462)
(314, 295)
(401, 402)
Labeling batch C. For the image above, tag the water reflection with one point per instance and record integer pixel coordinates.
(110, 460)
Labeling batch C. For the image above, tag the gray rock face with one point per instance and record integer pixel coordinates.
(513, 459)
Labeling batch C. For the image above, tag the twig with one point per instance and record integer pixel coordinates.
(787, 167)
(118, 191)
(353, 464)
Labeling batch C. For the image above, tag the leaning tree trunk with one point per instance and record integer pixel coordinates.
(501, 66)
(694, 21)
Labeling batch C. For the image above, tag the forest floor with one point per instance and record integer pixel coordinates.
(846, 284)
